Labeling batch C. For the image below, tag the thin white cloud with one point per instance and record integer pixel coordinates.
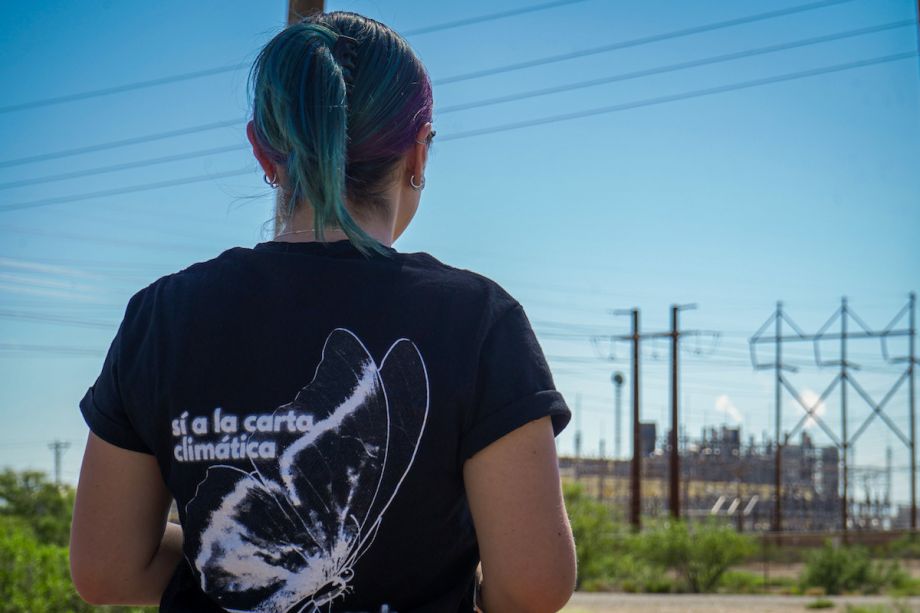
(66, 271)
(48, 293)
(39, 281)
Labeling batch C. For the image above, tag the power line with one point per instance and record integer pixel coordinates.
(142, 266)
(467, 76)
(125, 166)
(636, 42)
(120, 143)
(496, 100)
(717, 59)
(126, 190)
(682, 96)
(510, 126)
(56, 349)
(69, 321)
(159, 246)
(440, 27)
(117, 89)
(13, 444)
(209, 72)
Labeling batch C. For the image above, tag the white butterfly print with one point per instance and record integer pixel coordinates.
(285, 537)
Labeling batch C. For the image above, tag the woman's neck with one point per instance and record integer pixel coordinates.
(300, 229)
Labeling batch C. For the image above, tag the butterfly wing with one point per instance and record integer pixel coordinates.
(320, 485)
(287, 534)
(405, 382)
(246, 557)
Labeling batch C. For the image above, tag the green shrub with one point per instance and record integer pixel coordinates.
(595, 532)
(741, 582)
(605, 549)
(700, 554)
(908, 546)
(849, 569)
(632, 573)
(885, 575)
(821, 603)
(836, 568)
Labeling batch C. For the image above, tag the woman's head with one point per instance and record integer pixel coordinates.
(342, 120)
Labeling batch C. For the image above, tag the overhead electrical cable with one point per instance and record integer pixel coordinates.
(636, 42)
(659, 100)
(449, 25)
(79, 174)
(42, 157)
(55, 349)
(209, 72)
(56, 319)
(717, 59)
(491, 101)
(709, 91)
(496, 70)
(127, 190)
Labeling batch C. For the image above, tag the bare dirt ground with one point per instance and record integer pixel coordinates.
(711, 603)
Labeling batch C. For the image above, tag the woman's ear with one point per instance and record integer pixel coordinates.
(419, 157)
(268, 167)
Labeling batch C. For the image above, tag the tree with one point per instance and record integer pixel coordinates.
(45, 507)
(35, 517)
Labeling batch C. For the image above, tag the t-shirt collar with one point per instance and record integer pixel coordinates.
(338, 248)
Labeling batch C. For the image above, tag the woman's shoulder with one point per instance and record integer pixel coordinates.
(458, 279)
(185, 282)
(205, 282)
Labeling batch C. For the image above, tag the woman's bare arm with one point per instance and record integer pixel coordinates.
(525, 540)
(122, 550)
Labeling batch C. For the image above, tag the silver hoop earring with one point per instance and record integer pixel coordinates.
(418, 187)
(269, 182)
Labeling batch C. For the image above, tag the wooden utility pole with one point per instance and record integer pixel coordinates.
(58, 447)
(636, 469)
(673, 441)
(636, 477)
(635, 486)
(577, 437)
(299, 8)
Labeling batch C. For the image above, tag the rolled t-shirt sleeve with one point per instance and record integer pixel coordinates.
(514, 384)
(103, 406)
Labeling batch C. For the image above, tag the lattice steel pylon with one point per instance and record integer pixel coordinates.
(845, 378)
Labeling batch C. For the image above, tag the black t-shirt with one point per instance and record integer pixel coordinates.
(310, 410)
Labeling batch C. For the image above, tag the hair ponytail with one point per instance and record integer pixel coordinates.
(339, 140)
(300, 112)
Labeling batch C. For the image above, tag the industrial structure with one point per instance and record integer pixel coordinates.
(723, 475)
(786, 483)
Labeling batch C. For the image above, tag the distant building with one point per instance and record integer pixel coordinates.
(647, 438)
(720, 475)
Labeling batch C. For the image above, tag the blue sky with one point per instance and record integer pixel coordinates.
(800, 191)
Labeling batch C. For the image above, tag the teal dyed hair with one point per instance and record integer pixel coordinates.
(337, 142)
